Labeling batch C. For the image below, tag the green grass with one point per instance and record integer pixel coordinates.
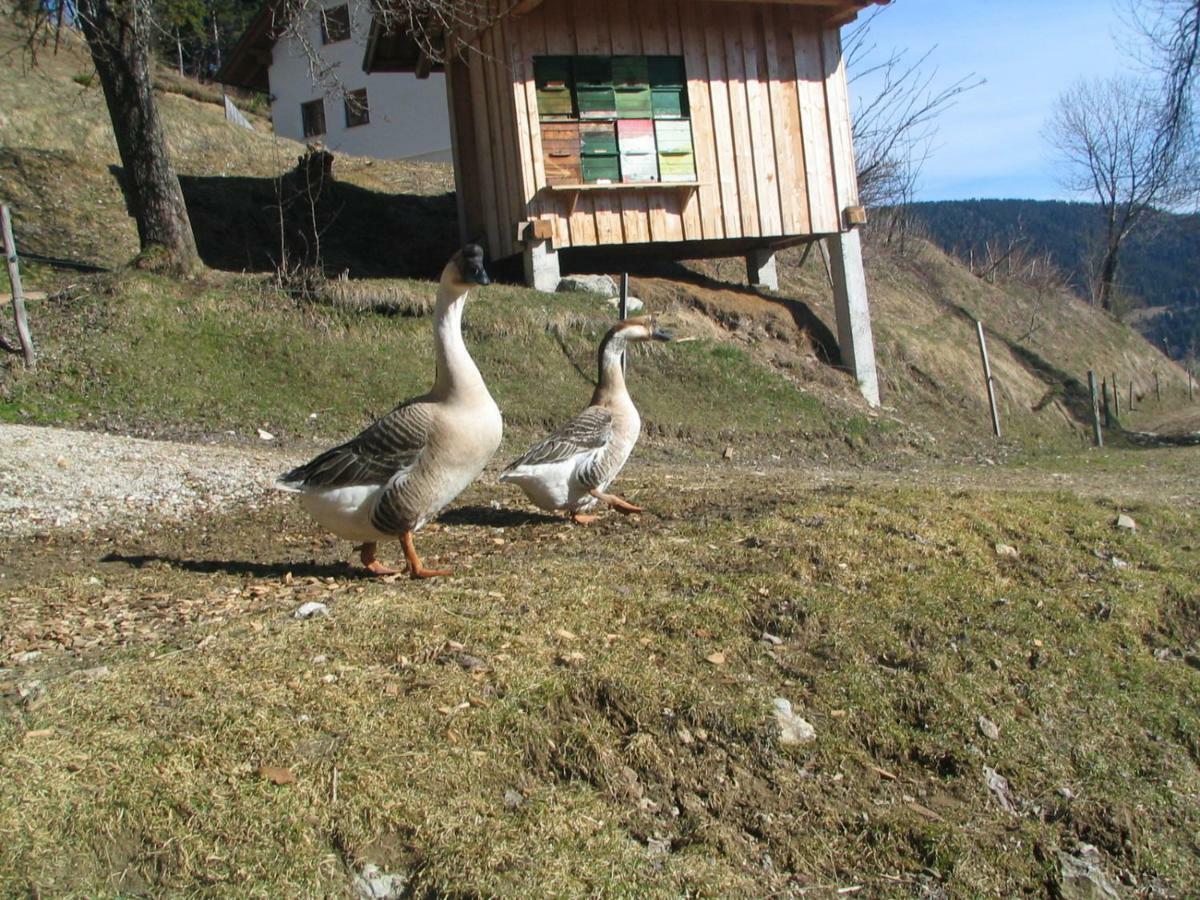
(231, 354)
(596, 706)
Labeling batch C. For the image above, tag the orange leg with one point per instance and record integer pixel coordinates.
(583, 518)
(622, 506)
(366, 553)
(415, 569)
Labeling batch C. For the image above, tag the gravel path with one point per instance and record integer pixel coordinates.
(53, 478)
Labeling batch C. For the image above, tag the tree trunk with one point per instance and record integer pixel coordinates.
(117, 33)
(1108, 276)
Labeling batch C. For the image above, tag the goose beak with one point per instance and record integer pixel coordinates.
(659, 335)
(478, 275)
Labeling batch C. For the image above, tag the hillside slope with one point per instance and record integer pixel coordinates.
(1160, 267)
(59, 171)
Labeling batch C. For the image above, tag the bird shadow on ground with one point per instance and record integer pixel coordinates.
(237, 567)
(491, 517)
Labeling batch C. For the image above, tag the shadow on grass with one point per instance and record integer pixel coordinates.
(237, 221)
(644, 265)
(238, 567)
(490, 517)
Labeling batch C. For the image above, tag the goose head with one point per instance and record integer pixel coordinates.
(636, 330)
(465, 269)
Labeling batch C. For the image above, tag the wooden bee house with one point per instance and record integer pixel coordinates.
(694, 129)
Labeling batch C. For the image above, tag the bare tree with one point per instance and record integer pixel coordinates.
(895, 118)
(1171, 31)
(118, 35)
(1110, 136)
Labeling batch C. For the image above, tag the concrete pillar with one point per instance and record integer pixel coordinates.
(760, 268)
(541, 266)
(853, 313)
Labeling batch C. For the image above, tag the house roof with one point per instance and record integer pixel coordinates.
(388, 52)
(247, 64)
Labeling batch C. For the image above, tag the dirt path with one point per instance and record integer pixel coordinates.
(56, 478)
(61, 479)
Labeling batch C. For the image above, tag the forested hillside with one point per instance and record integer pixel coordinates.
(1160, 268)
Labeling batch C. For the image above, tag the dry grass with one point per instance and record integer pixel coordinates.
(568, 670)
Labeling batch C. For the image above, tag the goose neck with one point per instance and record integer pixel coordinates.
(456, 371)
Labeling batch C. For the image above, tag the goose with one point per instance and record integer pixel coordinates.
(402, 470)
(572, 468)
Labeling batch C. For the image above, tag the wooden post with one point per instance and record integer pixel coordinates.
(623, 307)
(987, 377)
(1131, 395)
(1108, 420)
(18, 295)
(1097, 434)
(1157, 388)
(1116, 398)
(853, 313)
(1191, 386)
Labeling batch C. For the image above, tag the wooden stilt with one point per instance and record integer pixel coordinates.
(18, 295)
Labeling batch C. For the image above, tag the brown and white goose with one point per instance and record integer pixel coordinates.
(573, 467)
(401, 471)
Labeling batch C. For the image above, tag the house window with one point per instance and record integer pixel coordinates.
(335, 24)
(357, 111)
(313, 115)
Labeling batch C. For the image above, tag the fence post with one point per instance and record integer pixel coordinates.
(1104, 402)
(18, 295)
(1097, 434)
(987, 377)
(623, 307)
(1131, 395)
(1116, 397)
(1157, 389)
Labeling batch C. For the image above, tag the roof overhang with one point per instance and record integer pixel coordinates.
(840, 11)
(247, 64)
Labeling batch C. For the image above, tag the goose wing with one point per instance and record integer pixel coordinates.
(387, 448)
(587, 433)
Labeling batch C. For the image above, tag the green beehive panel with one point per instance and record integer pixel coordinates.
(552, 70)
(601, 170)
(596, 103)
(630, 70)
(673, 135)
(669, 102)
(633, 103)
(598, 140)
(666, 71)
(595, 71)
(677, 166)
(555, 102)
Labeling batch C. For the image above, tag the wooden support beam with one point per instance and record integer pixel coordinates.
(1097, 433)
(855, 340)
(987, 376)
(18, 299)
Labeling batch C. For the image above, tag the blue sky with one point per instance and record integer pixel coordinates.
(990, 143)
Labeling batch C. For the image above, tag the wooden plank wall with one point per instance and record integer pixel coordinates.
(770, 119)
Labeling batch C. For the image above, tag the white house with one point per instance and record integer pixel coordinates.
(321, 93)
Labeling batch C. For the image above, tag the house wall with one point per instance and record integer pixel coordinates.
(770, 120)
(409, 119)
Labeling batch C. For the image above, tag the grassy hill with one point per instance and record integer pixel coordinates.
(1160, 268)
(584, 712)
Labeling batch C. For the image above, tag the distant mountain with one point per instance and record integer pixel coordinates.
(1160, 267)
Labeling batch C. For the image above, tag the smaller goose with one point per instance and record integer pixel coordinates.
(570, 469)
(400, 472)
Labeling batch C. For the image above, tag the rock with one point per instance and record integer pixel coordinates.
(31, 693)
(1080, 875)
(717, 658)
(311, 609)
(265, 435)
(471, 663)
(1007, 550)
(632, 304)
(1118, 563)
(372, 883)
(727, 454)
(998, 785)
(1126, 522)
(989, 729)
(773, 639)
(513, 799)
(793, 730)
(319, 660)
(588, 284)
(24, 659)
